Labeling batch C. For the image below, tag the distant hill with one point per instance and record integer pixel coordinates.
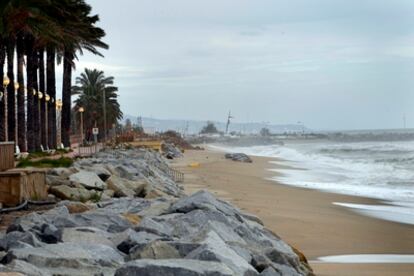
(194, 127)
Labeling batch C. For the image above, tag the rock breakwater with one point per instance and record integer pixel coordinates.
(137, 221)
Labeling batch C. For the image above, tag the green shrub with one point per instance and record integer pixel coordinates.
(46, 163)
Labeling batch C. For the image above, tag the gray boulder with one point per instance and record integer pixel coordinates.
(69, 193)
(203, 200)
(53, 180)
(87, 235)
(154, 250)
(240, 157)
(25, 268)
(89, 180)
(126, 188)
(70, 258)
(215, 249)
(170, 267)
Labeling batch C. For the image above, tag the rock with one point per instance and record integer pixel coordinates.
(87, 235)
(169, 267)
(214, 249)
(107, 195)
(205, 201)
(75, 207)
(270, 271)
(62, 172)
(89, 180)
(170, 151)
(70, 258)
(240, 157)
(69, 193)
(18, 239)
(132, 218)
(106, 221)
(53, 180)
(154, 250)
(17, 267)
(103, 173)
(125, 205)
(11, 274)
(50, 234)
(156, 209)
(137, 239)
(123, 187)
(183, 248)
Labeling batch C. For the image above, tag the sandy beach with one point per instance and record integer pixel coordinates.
(304, 218)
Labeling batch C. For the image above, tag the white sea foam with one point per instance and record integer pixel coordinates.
(367, 259)
(382, 170)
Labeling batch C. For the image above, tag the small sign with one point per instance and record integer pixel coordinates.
(95, 131)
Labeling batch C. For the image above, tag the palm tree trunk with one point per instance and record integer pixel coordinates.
(66, 97)
(30, 72)
(42, 88)
(51, 90)
(21, 113)
(2, 60)
(10, 91)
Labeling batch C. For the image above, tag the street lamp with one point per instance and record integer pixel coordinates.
(47, 99)
(40, 97)
(16, 88)
(81, 110)
(59, 105)
(6, 82)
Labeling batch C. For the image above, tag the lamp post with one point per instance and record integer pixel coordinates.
(47, 99)
(40, 97)
(81, 110)
(6, 82)
(16, 88)
(104, 114)
(59, 105)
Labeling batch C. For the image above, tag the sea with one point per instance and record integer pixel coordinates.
(382, 170)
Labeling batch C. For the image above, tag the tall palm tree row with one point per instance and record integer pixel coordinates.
(98, 96)
(39, 33)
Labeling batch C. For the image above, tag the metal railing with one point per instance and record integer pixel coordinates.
(90, 150)
(177, 176)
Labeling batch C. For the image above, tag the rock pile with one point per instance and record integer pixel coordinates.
(240, 157)
(128, 173)
(169, 234)
(170, 151)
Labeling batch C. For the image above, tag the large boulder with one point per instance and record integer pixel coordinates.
(169, 267)
(17, 268)
(70, 193)
(87, 235)
(126, 188)
(70, 258)
(203, 200)
(53, 180)
(240, 157)
(89, 180)
(215, 249)
(154, 250)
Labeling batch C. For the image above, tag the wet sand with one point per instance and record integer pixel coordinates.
(304, 218)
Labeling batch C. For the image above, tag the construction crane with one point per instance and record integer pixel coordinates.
(228, 122)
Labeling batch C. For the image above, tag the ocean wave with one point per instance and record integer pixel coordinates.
(375, 169)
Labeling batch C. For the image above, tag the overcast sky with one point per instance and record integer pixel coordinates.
(333, 64)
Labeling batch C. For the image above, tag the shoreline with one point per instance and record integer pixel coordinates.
(305, 218)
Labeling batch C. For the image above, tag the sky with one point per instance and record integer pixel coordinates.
(331, 64)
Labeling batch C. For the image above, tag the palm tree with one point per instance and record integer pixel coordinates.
(97, 95)
(61, 27)
(88, 37)
(27, 23)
